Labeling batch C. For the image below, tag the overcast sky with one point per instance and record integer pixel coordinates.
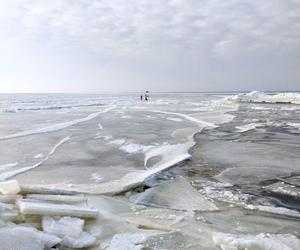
(158, 45)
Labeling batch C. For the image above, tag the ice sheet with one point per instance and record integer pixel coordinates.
(56, 127)
(7, 175)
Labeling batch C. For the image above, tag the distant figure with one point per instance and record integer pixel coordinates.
(141, 98)
(146, 97)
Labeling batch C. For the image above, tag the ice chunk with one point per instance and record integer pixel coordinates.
(145, 240)
(175, 194)
(9, 187)
(260, 242)
(59, 198)
(65, 226)
(39, 208)
(24, 238)
(70, 229)
(128, 241)
(84, 240)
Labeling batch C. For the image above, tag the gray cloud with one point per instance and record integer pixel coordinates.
(111, 45)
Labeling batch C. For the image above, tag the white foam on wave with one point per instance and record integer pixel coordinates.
(56, 127)
(7, 175)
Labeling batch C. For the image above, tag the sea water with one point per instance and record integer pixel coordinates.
(180, 171)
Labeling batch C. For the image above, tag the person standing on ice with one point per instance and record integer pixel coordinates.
(141, 98)
(146, 96)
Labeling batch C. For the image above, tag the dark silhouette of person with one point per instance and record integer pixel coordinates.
(141, 98)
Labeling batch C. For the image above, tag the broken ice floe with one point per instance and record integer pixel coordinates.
(175, 194)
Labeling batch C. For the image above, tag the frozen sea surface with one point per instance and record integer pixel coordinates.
(181, 171)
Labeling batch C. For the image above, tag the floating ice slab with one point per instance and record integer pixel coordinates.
(9, 187)
(59, 198)
(176, 194)
(260, 242)
(38, 208)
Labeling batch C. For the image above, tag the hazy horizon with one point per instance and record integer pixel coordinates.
(107, 46)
